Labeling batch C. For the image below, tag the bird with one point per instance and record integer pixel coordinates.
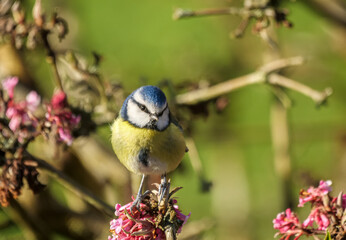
(146, 137)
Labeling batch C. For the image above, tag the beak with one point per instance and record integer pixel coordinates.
(154, 118)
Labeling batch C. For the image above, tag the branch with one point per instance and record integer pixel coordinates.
(170, 233)
(334, 10)
(33, 228)
(281, 64)
(197, 164)
(73, 186)
(180, 13)
(51, 57)
(317, 96)
(259, 76)
(281, 148)
(205, 94)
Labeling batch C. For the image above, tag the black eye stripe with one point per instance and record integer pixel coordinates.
(145, 109)
(160, 114)
(141, 106)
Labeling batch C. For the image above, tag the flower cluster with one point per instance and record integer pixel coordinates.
(286, 221)
(60, 118)
(147, 222)
(20, 114)
(20, 123)
(314, 194)
(138, 225)
(326, 214)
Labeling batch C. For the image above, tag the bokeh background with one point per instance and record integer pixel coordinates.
(140, 44)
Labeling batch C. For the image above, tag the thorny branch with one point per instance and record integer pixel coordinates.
(265, 74)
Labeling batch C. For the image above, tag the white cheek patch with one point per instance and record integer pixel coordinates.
(136, 116)
(163, 120)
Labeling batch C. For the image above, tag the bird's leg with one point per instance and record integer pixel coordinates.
(164, 187)
(139, 197)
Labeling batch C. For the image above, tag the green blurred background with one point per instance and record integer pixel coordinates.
(141, 44)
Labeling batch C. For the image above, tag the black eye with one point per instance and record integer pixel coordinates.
(142, 107)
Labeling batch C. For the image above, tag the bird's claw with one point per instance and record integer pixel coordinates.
(136, 203)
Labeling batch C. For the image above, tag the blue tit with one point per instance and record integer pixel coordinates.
(145, 137)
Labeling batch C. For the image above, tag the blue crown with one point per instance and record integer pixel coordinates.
(150, 94)
(153, 95)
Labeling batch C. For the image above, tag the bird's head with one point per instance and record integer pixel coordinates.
(146, 107)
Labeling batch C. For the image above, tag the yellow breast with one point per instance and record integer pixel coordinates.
(166, 148)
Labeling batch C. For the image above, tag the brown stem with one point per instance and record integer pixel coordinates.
(332, 9)
(205, 94)
(281, 148)
(317, 96)
(33, 228)
(170, 233)
(180, 13)
(73, 186)
(239, 32)
(260, 76)
(51, 57)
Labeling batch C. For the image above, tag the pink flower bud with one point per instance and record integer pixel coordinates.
(9, 84)
(59, 100)
(33, 101)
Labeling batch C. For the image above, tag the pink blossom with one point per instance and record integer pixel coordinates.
(314, 194)
(117, 209)
(318, 216)
(15, 121)
(286, 221)
(59, 100)
(21, 113)
(125, 227)
(9, 84)
(65, 136)
(60, 115)
(139, 224)
(33, 101)
(181, 217)
(344, 201)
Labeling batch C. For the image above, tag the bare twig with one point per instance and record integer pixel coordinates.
(180, 13)
(334, 10)
(239, 31)
(170, 234)
(205, 94)
(73, 186)
(33, 227)
(281, 148)
(194, 156)
(51, 57)
(262, 75)
(197, 164)
(317, 96)
(282, 63)
(279, 124)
